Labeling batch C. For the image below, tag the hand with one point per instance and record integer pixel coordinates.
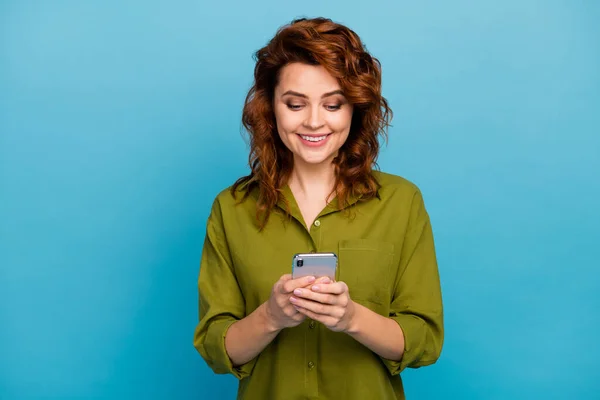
(279, 311)
(328, 303)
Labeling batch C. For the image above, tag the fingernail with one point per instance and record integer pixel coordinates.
(315, 288)
(326, 280)
(311, 278)
(297, 292)
(292, 299)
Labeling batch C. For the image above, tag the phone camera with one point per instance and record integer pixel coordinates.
(300, 262)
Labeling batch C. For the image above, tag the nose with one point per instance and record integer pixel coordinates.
(314, 119)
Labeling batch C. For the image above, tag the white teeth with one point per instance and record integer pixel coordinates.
(313, 138)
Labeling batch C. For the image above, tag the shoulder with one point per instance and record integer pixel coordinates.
(396, 186)
(402, 196)
(229, 198)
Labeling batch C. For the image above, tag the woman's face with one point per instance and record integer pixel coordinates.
(313, 117)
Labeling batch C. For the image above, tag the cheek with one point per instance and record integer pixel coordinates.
(340, 122)
(288, 122)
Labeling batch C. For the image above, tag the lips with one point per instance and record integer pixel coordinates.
(314, 140)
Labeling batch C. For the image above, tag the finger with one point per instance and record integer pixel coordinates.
(323, 298)
(282, 281)
(293, 313)
(289, 310)
(321, 280)
(278, 287)
(299, 317)
(325, 320)
(290, 285)
(318, 308)
(333, 288)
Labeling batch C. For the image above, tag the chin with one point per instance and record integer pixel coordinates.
(314, 159)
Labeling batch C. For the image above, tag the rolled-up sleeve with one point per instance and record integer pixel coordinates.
(221, 302)
(417, 301)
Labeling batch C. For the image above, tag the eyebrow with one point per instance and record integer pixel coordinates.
(293, 93)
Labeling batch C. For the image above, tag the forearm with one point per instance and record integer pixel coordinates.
(246, 338)
(381, 335)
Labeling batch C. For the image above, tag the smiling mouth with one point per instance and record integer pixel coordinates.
(314, 138)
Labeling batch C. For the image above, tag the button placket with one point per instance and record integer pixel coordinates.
(311, 358)
(316, 232)
(312, 333)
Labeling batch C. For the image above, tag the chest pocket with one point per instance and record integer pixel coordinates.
(366, 267)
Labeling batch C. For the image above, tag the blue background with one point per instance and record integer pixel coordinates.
(120, 121)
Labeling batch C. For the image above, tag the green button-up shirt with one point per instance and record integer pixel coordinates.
(386, 256)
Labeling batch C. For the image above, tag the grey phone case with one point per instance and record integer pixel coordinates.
(314, 264)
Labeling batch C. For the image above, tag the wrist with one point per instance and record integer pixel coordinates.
(267, 319)
(353, 326)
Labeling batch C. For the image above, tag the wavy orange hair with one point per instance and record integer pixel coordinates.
(340, 51)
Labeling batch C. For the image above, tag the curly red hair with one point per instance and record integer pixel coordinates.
(340, 51)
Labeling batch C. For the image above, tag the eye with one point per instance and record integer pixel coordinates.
(294, 107)
(333, 107)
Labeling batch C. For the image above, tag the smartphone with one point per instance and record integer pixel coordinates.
(314, 264)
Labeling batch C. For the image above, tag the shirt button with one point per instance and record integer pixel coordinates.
(312, 325)
(317, 223)
(311, 365)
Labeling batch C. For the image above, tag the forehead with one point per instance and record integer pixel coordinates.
(312, 80)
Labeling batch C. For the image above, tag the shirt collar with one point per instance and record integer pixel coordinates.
(287, 201)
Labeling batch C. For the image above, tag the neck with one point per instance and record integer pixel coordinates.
(310, 180)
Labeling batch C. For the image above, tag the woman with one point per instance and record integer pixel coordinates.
(315, 114)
